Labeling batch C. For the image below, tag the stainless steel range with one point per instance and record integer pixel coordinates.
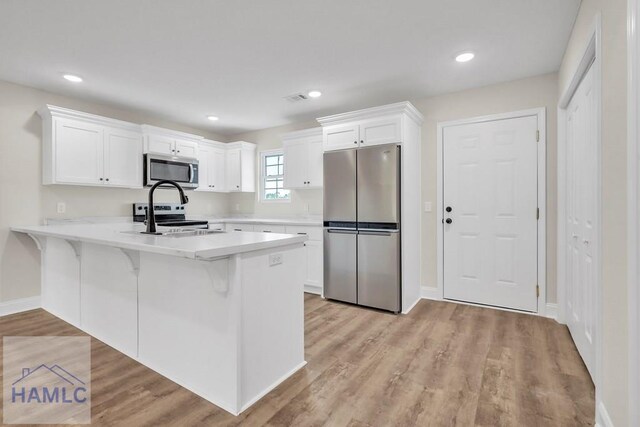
(167, 215)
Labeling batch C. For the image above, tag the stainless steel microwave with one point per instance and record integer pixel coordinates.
(182, 170)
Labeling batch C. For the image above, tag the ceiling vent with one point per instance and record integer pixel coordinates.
(296, 98)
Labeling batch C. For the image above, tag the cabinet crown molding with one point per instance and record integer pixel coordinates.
(212, 143)
(241, 144)
(51, 111)
(155, 130)
(301, 134)
(405, 107)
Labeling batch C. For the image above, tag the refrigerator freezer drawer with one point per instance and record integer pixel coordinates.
(379, 270)
(340, 274)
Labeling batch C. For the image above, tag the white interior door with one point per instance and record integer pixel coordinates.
(490, 233)
(581, 194)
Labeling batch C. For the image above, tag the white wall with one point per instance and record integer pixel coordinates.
(614, 390)
(25, 201)
(541, 91)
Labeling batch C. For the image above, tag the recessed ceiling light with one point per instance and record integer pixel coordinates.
(73, 78)
(213, 118)
(314, 94)
(465, 57)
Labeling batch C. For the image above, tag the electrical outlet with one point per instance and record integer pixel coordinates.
(427, 206)
(61, 207)
(275, 259)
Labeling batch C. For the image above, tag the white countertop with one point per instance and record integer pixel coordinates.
(196, 247)
(311, 221)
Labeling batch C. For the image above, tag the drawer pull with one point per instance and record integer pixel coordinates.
(304, 234)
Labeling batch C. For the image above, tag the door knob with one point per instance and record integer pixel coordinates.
(448, 220)
(448, 209)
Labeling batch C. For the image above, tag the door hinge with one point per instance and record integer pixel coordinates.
(537, 291)
(537, 213)
(537, 136)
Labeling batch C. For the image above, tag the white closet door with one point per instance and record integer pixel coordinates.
(581, 219)
(490, 185)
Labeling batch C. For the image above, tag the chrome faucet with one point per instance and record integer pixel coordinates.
(151, 215)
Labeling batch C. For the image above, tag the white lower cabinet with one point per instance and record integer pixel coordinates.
(238, 227)
(269, 228)
(314, 257)
(313, 248)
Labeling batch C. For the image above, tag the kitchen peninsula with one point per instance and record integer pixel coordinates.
(218, 313)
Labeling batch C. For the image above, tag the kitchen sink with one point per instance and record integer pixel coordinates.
(179, 232)
(190, 233)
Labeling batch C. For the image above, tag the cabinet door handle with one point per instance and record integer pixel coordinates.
(107, 179)
(361, 141)
(355, 142)
(100, 179)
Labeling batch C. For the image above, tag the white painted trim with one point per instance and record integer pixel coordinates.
(592, 55)
(369, 113)
(51, 111)
(412, 306)
(633, 206)
(19, 305)
(540, 113)
(429, 292)
(552, 311)
(271, 387)
(602, 416)
(155, 130)
(313, 289)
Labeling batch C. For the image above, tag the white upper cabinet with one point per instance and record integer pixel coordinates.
(159, 144)
(381, 131)
(217, 170)
(240, 163)
(123, 158)
(303, 159)
(84, 149)
(187, 149)
(373, 126)
(341, 136)
(204, 154)
(170, 142)
(212, 167)
(78, 156)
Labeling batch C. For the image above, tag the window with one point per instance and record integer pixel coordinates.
(272, 177)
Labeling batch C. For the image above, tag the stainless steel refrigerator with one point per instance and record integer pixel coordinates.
(362, 226)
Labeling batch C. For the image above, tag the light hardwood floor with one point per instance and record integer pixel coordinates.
(443, 364)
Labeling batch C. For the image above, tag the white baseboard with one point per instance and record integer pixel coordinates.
(602, 416)
(427, 292)
(552, 311)
(311, 289)
(271, 387)
(19, 305)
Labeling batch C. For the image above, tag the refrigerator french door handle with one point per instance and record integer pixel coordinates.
(378, 232)
(342, 231)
